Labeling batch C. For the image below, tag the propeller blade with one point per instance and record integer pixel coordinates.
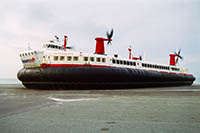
(177, 60)
(111, 33)
(179, 51)
(109, 36)
(181, 57)
(108, 42)
(175, 52)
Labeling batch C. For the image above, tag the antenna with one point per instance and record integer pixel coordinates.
(129, 49)
(57, 38)
(29, 48)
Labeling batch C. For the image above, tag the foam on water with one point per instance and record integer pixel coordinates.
(70, 100)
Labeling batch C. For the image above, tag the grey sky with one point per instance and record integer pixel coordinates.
(154, 27)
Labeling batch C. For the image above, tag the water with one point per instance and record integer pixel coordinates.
(168, 109)
(197, 81)
(10, 81)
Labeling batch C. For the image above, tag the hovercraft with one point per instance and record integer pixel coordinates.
(57, 66)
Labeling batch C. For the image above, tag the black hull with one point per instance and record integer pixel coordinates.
(98, 78)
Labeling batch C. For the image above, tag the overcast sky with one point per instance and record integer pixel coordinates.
(152, 27)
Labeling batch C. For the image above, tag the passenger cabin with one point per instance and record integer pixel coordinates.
(50, 55)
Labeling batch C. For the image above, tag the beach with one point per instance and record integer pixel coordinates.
(168, 109)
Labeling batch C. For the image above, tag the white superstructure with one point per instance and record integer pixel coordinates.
(55, 54)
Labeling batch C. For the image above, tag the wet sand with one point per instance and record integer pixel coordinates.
(169, 109)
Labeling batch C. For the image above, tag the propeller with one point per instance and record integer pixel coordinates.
(109, 36)
(178, 56)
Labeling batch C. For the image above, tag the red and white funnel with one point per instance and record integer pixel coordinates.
(172, 61)
(100, 43)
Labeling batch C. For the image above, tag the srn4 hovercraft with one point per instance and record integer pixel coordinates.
(58, 66)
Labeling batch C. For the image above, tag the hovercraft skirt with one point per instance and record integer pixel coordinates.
(98, 78)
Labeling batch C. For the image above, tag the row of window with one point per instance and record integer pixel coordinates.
(160, 67)
(76, 58)
(54, 46)
(28, 54)
(123, 62)
(155, 66)
(175, 69)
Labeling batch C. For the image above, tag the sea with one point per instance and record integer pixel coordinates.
(10, 81)
(166, 110)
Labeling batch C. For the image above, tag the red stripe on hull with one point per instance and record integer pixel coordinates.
(87, 65)
(163, 72)
(186, 74)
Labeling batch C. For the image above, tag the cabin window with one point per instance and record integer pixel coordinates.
(69, 58)
(98, 59)
(124, 62)
(62, 58)
(103, 59)
(55, 58)
(117, 61)
(85, 58)
(175, 69)
(113, 61)
(120, 62)
(75, 58)
(92, 59)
